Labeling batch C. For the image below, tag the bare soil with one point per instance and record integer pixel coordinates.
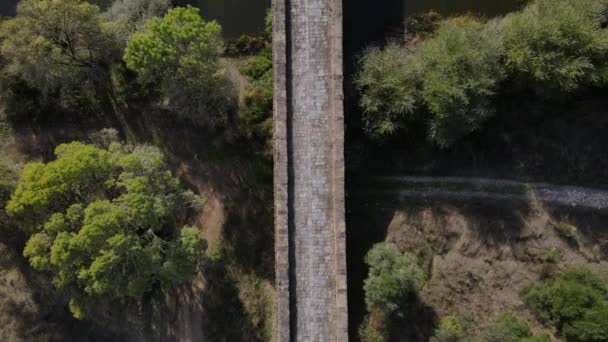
(479, 253)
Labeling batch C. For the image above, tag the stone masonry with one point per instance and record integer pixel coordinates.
(310, 242)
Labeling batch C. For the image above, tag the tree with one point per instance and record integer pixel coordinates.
(393, 277)
(180, 53)
(446, 81)
(107, 224)
(576, 301)
(558, 43)
(58, 47)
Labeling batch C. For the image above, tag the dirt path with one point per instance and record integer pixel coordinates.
(469, 188)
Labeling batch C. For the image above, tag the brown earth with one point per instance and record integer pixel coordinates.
(479, 254)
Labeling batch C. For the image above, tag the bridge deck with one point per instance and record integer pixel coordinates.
(309, 171)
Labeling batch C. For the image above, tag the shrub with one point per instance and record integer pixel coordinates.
(107, 224)
(256, 112)
(393, 277)
(461, 70)
(566, 230)
(423, 24)
(389, 81)
(558, 43)
(507, 328)
(375, 327)
(448, 79)
(576, 301)
(452, 329)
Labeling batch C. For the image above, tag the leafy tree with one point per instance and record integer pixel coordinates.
(107, 224)
(180, 53)
(393, 277)
(461, 71)
(58, 47)
(576, 301)
(389, 81)
(446, 81)
(559, 43)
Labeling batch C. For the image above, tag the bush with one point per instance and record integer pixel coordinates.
(393, 277)
(107, 224)
(453, 329)
(461, 70)
(375, 327)
(422, 25)
(507, 328)
(256, 112)
(389, 81)
(566, 230)
(576, 301)
(558, 43)
(448, 80)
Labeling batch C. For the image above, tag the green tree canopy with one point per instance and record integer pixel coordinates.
(58, 44)
(393, 276)
(576, 301)
(559, 43)
(446, 81)
(180, 53)
(107, 224)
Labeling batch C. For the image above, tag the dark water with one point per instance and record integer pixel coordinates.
(7, 7)
(235, 16)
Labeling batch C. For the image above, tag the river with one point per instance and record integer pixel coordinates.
(246, 16)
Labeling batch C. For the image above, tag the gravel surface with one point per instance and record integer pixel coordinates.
(468, 188)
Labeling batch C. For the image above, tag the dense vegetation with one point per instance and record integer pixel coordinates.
(180, 53)
(256, 115)
(107, 224)
(449, 81)
(112, 233)
(392, 284)
(576, 301)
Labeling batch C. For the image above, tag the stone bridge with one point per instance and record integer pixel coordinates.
(310, 238)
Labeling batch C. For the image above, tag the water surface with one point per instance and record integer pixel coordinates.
(235, 16)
